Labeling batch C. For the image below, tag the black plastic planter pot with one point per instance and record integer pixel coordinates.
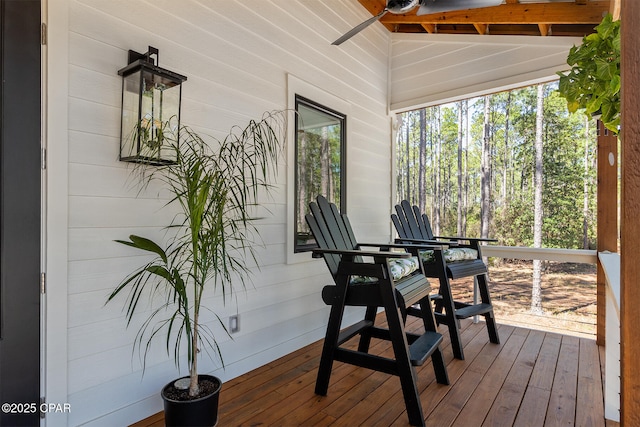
(197, 412)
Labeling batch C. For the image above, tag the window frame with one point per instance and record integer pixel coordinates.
(342, 118)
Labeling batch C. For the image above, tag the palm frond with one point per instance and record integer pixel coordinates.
(214, 183)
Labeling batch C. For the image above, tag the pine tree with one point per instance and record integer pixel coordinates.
(536, 291)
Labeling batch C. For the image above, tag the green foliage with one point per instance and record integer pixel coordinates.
(514, 222)
(215, 184)
(593, 82)
(564, 170)
(318, 145)
(567, 169)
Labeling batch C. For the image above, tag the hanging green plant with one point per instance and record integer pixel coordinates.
(593, 82)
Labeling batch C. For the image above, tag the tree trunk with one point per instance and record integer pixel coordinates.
(459, 225)
(507, 152)
(435, 223)
(408, 152)
(536, 291)
(465, 103)
(432, 154)
(325, 172)
(302, 181)
(585, 207)
(422, 185)
(400, 166)
(485, 174)
(194, 387)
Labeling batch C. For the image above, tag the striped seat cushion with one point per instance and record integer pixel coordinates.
(451, 255)
(399, 268)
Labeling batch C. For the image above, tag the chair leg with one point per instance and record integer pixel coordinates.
(328, 350)
(406, 372)
(439, 306)
(448, 307)
(450, 318)
(365, 336)
(490, 320)
(437, 360)
(439, 367)
(331, 338)
(492, 327)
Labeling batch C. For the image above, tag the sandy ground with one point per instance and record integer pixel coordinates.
(568, 296)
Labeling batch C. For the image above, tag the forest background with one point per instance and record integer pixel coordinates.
(515, 166)
(471, 166)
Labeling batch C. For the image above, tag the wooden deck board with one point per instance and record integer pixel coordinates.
(461, 391)
(532, 379)
(533, 408)
(588, 406)
(435, 394)
(476, 408)
(507, 402)
(562, 402)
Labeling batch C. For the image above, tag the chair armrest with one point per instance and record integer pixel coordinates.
(350, 253)
(425, 244)
(429, 244)
(421, 247)
(471, 239)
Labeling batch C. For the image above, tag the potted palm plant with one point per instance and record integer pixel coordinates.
(593, 82)
(215, 186)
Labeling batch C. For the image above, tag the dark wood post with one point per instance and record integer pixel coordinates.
(630, 216)
(607, 214)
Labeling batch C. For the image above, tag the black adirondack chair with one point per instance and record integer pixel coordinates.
(412, 227)
(344, 257)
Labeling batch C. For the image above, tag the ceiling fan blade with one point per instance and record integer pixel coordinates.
(436, 6)
(355, 30)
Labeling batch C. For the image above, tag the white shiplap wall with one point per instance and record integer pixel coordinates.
(437, 68)
(237, 55)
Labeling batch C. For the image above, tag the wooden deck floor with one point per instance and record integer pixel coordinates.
(533, 378)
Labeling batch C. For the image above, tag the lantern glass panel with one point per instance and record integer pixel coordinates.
(150, 117)
(130, 115)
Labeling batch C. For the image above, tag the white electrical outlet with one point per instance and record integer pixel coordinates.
(234, 323)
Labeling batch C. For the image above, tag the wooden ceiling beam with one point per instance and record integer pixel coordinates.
(614, 9)
(430, 28)
(544, 29)
(512, 13)
(482, 29)
(373, 6)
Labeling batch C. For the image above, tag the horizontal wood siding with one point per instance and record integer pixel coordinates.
(434, 69)
(237, 55)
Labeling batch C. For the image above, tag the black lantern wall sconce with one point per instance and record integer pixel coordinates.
(151, 98)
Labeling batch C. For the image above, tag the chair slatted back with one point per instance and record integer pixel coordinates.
(410, 224)
(331, 230)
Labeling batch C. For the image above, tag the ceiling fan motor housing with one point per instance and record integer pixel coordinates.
(401, 6)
